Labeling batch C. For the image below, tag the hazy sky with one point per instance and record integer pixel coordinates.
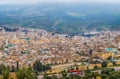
(59, 1)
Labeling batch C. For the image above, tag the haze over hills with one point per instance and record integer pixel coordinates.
(72, 19)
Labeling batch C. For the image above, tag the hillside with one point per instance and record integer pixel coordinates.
(71, 19)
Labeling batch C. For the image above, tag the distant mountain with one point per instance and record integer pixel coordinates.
(72, 19)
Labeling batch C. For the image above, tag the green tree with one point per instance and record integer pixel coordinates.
(2, 67)
(13, 69)
(26, 73)
(104, 76)
(104, 64)
(64, 74)
(5, 73)
(37, 66)
(88, 71)
(46, 67)
(96, 67)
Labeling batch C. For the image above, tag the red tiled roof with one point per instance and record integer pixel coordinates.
(75, 71)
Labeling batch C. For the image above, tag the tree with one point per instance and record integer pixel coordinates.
(17, 65)
(26, 73)
(13, 69)
(46, 67)
(37, 66)
(88, 71)
(64, 74)
(5, 73)
(104, 76)
(96, 67)
(114, 64)
(2, 67)
(87, 76)
(104, 64)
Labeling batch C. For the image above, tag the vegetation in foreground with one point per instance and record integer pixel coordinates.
(32, 72)
(106, 73)
(23, 73)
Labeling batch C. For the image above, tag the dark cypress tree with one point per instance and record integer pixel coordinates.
(13, 69)
(37, 66)
(17, 65)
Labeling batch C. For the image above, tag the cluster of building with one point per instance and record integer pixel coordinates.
(26, 45)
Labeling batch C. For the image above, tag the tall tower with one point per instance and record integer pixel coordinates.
(6, 43)
(15, 37)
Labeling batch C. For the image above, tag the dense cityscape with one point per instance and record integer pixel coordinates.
(22, 47)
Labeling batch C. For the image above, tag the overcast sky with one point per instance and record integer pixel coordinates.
(59, 1)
